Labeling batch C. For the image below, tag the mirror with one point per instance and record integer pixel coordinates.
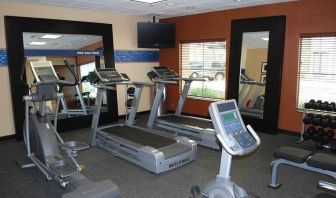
(253, 73)
(71, 57)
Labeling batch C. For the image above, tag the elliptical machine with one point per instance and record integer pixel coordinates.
(236, 139)
(49, 153)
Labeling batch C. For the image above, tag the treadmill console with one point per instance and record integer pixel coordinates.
(109, 75)
(165, 73)
(230, 128)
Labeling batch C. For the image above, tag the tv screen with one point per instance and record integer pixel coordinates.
(156, 35)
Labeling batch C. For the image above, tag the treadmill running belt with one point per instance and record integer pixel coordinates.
(187, 121)
(139, 136)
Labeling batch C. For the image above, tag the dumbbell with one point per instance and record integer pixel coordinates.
(317, 104)
(333, 146)
(316, 120)
(312, 132)
(330, 134)
(309, 105)
(308, 119)
(324, 106)
(332, 123)
(331, 106)
(325, 120)
(322, 138)
(129, 102)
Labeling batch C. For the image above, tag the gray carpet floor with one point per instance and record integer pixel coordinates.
(252, 172)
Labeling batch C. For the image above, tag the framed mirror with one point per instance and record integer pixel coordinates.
(72, 49)
(256, 58)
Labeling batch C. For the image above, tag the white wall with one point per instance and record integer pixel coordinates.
(124, 38)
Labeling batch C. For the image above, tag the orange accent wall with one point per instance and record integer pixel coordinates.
(302, 17)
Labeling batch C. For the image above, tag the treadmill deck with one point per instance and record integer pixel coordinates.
(187, 121)
(139, 136)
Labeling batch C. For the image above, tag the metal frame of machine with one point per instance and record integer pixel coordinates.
(144, 147)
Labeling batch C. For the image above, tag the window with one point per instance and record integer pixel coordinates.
(317, 70)
(86, 86)
(205, 59)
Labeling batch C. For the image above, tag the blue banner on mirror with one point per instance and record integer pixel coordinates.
(63, 53)
(120, 56)
(3, 58)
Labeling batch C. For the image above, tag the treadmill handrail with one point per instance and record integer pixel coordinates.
(252, 83)
(174, 80)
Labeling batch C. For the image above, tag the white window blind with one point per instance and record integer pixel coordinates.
(205, 59)
(317, 70)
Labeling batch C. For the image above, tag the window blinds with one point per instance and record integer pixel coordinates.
(317, 70)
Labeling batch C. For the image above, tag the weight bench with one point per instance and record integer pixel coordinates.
(319, 162)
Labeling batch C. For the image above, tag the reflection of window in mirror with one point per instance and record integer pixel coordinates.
(86, 85)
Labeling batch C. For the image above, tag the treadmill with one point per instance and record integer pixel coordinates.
(199, 129)
(144, 147)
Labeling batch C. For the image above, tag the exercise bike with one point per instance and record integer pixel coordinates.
(236, 139)
(49, 153)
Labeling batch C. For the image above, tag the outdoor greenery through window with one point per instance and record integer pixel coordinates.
(205, 59)
(317, 74)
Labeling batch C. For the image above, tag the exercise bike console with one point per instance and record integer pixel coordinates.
(236, 139)
(231, 131)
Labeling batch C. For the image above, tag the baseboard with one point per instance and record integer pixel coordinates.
(138, 113)
(7, 137)
(190, 114)
(287, 132)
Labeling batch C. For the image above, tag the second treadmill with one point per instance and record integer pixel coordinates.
(199, 129)
(145, 147)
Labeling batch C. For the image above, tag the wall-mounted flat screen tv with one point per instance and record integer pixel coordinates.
(156, 35)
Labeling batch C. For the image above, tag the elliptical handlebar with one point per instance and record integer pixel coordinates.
(67, 64)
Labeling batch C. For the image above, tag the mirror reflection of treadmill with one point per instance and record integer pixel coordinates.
(199, 129)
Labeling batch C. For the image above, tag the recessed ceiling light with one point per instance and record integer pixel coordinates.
(149, 1)
(238, 0)
(37, 43)
(171, 4)
(51, 36)
(190, 7)
(264, 38)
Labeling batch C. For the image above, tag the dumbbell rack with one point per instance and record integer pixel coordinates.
(317, 112)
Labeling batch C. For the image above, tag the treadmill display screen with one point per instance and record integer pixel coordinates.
(161, 71)
(109, 75)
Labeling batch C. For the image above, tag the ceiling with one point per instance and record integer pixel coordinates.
(65, 42)
(163, 9)
(252, 40)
